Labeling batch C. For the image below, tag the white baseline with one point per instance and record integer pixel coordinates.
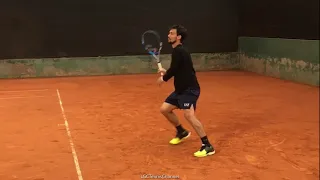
(74, 154)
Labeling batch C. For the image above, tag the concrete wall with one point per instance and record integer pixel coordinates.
(21, 68)
(290, 59)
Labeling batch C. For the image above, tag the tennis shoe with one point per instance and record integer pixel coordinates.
(180, 137)
(205, 150)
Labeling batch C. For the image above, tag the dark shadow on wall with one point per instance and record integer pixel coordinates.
(40, 29)
(291, 19)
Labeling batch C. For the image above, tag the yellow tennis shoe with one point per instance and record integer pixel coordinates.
(180, 137)
(204, 151)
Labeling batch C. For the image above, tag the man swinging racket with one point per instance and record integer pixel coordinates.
(186, 93)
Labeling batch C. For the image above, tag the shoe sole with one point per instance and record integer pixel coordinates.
(208, 154)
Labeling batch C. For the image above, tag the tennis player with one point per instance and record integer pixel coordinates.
(186, 93)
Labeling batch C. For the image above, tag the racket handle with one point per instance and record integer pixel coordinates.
(160, 67)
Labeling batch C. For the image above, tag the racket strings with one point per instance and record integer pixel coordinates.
(152, 42)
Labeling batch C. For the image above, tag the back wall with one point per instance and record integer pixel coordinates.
(280, 39)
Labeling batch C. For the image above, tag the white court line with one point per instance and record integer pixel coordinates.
(22, 97)
(30, 90)
(74, 154)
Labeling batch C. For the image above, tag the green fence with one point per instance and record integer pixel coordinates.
(108, 65)
(290, 59)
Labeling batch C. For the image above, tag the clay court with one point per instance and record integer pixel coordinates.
(262, 128)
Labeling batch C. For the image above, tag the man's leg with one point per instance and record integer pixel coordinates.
(188, 104)
(206, 148)
(166, 109)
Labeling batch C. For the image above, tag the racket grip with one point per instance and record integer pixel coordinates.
(160, 67)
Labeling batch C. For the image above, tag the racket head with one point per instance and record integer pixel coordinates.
(151, 42)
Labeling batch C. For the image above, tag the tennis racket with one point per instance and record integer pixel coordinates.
(152, 44)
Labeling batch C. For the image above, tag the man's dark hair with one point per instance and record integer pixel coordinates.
(182, 31)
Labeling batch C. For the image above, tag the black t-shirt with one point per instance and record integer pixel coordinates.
(181, 68)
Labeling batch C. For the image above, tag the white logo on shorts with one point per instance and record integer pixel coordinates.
(186, 104)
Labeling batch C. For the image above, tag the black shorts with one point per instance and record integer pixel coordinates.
(185, 99)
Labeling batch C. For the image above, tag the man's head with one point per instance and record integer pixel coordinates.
(177, 34)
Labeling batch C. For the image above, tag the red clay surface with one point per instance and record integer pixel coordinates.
(262, 129)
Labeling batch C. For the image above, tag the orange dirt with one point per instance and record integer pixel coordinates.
(262, 128)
